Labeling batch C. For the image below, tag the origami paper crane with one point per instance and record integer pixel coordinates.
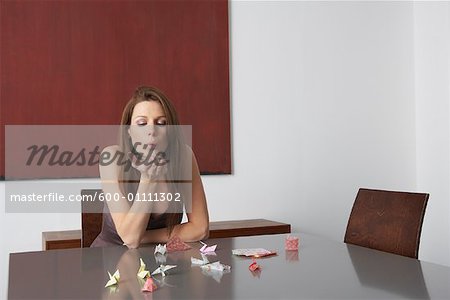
(162, 249)
(215, 266)
(215, 270)
(142, 272)
(149, 285)
(160, 258)
(200, 262)
(176, 244)
(207, 249)
(113, 279)
(163, 269)
(254, 266)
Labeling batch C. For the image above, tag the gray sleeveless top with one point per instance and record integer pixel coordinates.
(109, 237)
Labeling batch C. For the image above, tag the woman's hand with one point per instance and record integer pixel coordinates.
(150, 163)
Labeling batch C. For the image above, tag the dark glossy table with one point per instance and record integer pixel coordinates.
(321, 269)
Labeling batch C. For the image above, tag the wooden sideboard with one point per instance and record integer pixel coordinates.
(72, 238)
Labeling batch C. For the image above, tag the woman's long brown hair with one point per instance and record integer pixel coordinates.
(129, 176)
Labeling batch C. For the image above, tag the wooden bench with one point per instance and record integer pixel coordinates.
(72, 238)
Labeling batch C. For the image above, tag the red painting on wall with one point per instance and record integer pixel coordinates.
(78, 62)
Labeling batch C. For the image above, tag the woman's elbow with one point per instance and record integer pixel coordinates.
(202, 232)
(206, 235)
(133, 244)
(132, 241)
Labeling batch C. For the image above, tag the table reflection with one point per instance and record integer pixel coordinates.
(394, 273)
(181, 281)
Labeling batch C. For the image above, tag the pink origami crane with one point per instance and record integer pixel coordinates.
(149, 285)
(176, 244)
(207, 249)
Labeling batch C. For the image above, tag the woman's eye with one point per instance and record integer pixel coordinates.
(161, 123)
(142, 123)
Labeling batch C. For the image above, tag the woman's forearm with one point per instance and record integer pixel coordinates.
(188, 232)
(134, 223)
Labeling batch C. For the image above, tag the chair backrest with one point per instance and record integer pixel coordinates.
(91, 216)
(388, 221)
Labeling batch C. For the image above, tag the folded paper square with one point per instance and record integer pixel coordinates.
(291, 243)
(176, 244)
(253, 252)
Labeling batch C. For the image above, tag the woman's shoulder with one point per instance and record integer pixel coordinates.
(108, 163)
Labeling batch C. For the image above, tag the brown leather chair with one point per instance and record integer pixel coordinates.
(388, 221)
(91, 216)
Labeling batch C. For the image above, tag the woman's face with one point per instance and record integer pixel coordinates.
(148, 127)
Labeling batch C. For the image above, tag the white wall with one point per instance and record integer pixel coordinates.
(323, 102)
(432, 94)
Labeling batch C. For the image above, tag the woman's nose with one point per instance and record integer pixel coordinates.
(150, 129)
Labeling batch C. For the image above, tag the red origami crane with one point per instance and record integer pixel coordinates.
(254, 266)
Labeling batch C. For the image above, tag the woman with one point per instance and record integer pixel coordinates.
(157, 163)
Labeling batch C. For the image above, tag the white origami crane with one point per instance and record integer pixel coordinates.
(160, 259)
(215, 270)
(215, 266)
(161, 249)
(207, 249)
(163, 269)
(113, 279)
(200, 262)
(142, 272)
